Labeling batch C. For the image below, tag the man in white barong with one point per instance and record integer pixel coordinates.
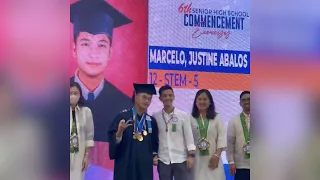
(238, 135)
(176, 143)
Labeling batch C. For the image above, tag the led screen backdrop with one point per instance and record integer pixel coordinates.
(200, 44)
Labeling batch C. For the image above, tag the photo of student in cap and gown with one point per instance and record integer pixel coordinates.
(107, 59)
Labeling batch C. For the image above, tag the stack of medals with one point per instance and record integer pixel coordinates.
(203, 143)
(137, 135)
(138, 127)
(74, 140)
(246, 133)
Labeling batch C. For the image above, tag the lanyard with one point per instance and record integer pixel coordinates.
(202, 121)
(203, 126)
(246, 132)
(139, 124)
(164, 119)
(74, 128)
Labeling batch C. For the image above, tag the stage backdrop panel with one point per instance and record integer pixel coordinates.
(200, 44)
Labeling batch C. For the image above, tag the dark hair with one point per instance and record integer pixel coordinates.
(243, 93)
(211, 114)
(81, 99)
(163, 88)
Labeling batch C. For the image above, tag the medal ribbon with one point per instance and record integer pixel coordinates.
(74, 148)
(139, 123)
(203, 127)
(165, 121)
(246, 131)
(149, 126)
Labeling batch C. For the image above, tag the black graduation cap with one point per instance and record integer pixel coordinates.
(96, 17)
(144, 88)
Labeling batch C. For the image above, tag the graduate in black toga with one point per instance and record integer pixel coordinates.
(93, 24)
(133, 138)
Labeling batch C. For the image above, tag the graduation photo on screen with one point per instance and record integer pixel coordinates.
(108, 47)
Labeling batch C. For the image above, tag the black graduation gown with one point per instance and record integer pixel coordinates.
(133, 159)
(105, 107)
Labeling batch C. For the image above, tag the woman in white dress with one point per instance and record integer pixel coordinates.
(209, 133)
(81, 133)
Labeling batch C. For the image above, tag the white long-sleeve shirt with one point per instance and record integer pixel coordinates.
(174, 146)
(235, 142)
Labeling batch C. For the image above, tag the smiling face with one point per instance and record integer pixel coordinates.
(92, 53)
(167, 97)
(203, 102)
(245, 102)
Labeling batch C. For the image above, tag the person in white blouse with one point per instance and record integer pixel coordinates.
(238, 151)
(209, 132)
(81, 133)
(176, 143)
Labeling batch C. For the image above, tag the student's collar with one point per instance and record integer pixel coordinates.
(169, 113)
(77, 108)
(247, 115)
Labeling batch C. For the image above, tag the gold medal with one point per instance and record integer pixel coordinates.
(134, 135)
(203, 144)
(139, 137)
(145, 133)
